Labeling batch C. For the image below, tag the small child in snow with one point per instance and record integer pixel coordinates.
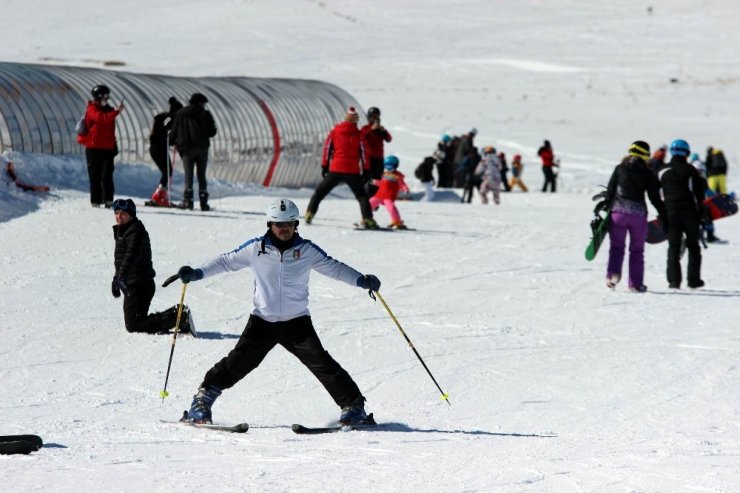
(490, 168)
(517, 167)
(389, 185)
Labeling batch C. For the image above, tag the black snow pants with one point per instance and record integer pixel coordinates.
(300, 339)
(683, 223)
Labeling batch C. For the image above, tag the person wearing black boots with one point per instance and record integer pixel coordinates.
(134, 276)
(191, 132)
(683, 193)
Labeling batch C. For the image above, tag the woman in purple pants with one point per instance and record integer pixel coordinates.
(626, 192)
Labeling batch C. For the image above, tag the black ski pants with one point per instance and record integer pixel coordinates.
(376, 173)
(100, 173)
(299, 338)
(160, 155)
(136, 311)
(195, 160)
(550, 178)
(331, 180)
(683, 223)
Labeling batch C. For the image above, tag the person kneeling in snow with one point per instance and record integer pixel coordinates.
(281, 262)
(134, 276)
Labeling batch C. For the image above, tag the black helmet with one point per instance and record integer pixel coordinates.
(373, 111)
(100, 91)
(198, 98)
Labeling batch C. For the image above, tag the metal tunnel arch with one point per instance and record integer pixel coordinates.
(270, 131)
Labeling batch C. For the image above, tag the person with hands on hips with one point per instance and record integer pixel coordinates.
(281, 262)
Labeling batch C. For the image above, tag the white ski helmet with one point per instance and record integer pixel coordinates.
(282, 210)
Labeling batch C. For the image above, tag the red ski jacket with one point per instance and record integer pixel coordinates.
(374, 138)
(546, 155)
(100, 122)
(389, 186)
(344, 150)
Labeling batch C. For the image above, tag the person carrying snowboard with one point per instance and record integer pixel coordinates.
(683, 192)
(281, 262)
(629, 183)
(389, 185)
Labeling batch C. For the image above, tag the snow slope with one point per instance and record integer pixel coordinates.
(556, 383)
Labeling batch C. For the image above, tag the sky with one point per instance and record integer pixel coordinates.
(556, 383)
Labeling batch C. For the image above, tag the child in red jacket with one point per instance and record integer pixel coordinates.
(389, 185)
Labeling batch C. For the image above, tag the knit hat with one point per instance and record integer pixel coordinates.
(640, 149)
(126, 205)
(351, 115)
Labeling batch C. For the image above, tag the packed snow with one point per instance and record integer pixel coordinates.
(555, 383)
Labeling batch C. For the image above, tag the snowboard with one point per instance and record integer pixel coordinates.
(20, 444)
(720, 206)
(599, 229)
(655, 232)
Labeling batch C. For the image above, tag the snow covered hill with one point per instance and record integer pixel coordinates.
(556, 383)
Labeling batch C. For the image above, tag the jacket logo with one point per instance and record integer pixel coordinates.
(296, 254)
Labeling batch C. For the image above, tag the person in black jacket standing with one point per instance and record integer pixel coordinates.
(191, 132)
(159, 149)
(134, 276)
(683, 192)
(626, 193)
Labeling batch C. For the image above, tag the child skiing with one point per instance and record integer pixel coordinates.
(389, 185)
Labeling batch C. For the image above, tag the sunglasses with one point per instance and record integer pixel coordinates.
(285, 224)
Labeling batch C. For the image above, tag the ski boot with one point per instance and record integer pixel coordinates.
(354, 413)
(638, 289)
(203, 195)
(369, 223)
(187, 326)
(161, 197)
(397, 225)
(200, 409)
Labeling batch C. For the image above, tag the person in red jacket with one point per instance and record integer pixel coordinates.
(548, 163)
(391, 183)
(98, 135)
(344, 160)
(375, 136)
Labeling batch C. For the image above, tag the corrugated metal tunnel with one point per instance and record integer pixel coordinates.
(270, 131)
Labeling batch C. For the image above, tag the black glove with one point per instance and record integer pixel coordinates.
(324, 171)
(366, 176)
(114, 288)
(369, 281)
(123, 286)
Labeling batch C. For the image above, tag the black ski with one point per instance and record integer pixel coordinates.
(360, 227)
(20, 444)
(369, 423)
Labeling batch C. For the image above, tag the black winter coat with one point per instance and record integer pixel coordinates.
(683, 187)
(631, 179)
(132, 256)
(193, 128)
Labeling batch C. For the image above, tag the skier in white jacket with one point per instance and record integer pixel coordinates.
(281, 262)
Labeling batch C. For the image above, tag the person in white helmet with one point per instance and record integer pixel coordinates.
(281, 262)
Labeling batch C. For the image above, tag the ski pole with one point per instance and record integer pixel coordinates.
(164, 392)
(445, 396)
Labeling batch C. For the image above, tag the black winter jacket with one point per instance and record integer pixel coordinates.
(132, 257)
(683, 187)
(631, 179)
(193, 128)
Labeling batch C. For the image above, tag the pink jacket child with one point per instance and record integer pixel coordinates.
(389, 185)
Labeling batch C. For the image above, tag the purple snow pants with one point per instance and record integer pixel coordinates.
(636, 224)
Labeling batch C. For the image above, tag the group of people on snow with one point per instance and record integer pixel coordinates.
(460, 164)
(677, 189)
(188, 129)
